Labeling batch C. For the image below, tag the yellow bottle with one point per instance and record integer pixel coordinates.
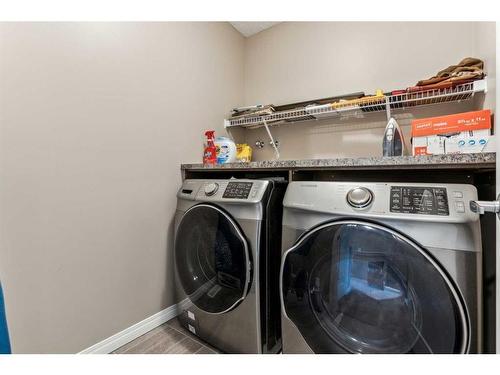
(243, 153)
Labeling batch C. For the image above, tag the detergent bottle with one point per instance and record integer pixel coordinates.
(210, 152)
(226, 150)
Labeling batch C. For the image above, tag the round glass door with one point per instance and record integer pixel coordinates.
(212, 259)
(358, 287)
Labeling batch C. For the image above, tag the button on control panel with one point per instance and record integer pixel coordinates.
(460, 206)
(359, 197)
(419, 200)
(211, 189)
(237, 190)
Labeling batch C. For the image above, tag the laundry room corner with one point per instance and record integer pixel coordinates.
(251, 186)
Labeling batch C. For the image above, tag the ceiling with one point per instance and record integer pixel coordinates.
(250, 28)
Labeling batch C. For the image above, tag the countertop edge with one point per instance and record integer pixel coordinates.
(452, 161)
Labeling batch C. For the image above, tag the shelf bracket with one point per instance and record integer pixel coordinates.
(273, 143)
(388, 108)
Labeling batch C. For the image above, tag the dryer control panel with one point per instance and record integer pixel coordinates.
(419, 200)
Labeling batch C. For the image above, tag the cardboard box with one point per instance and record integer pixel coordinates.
(467, 132)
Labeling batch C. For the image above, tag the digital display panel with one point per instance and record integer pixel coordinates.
(238, 190)
(419, 200)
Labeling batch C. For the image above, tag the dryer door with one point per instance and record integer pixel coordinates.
(358, 287)
(212, 259)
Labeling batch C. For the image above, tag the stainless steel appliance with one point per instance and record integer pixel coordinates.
(380, 268)
(227, 258)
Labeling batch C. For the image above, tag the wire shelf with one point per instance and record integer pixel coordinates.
(357, 107)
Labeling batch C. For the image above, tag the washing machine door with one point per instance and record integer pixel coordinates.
(359, 287)
(212, 259)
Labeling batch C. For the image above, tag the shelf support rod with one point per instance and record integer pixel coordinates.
(276, 152)
(388, 108)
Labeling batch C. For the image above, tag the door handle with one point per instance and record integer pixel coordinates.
(481, 207)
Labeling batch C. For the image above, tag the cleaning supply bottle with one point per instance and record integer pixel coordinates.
(243, 153)
(226, 150)
(210, 152)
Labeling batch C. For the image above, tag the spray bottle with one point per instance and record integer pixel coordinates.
(210, 153)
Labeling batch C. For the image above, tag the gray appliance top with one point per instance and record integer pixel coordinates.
(241, 191)
(418, 202)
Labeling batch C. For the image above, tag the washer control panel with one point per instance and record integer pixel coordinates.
(224, 190)
(412, 201)
(238, 190)
(419, 200)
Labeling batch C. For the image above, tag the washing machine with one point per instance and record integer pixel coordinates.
(227, 259)
(380, 268)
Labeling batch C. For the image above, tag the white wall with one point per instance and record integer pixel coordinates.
(296, 61)
(486, 48)
(95, 120)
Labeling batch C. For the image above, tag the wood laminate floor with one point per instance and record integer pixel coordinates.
(169, 338)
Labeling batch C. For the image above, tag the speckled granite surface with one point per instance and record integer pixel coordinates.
(482, 160)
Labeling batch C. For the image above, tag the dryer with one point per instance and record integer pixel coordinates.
(227, 259)
(380, 268)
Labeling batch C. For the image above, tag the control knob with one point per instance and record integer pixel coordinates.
(359, 197)
(211, 188)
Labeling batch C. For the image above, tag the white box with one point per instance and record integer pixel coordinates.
(467, 142)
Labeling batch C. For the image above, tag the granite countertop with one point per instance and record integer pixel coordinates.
(480, 160)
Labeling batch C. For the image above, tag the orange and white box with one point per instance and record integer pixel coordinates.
(462, 133)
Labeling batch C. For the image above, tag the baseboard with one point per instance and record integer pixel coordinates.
(121, 338)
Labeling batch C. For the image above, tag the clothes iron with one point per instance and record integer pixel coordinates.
(393, 143)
